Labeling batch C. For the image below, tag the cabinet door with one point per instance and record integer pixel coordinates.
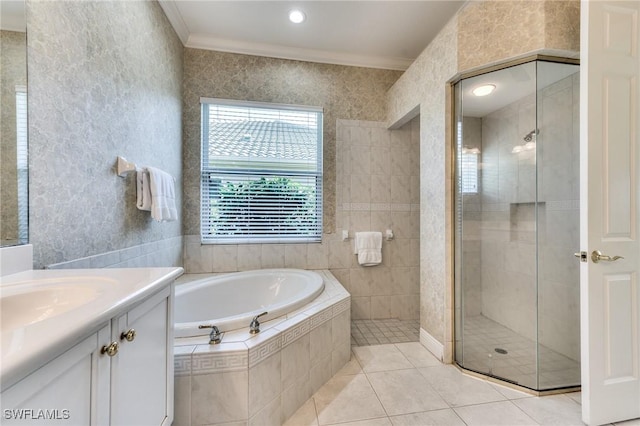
(73, 389)
(142, 371)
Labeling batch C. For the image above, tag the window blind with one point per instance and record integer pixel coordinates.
(469, 172)
(261, 172)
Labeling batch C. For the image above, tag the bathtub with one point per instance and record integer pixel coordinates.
(259, 378)
(230, 301)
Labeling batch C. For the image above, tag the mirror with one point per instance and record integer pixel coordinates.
(14, 172)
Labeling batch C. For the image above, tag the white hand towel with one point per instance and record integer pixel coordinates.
(143, 192)
(163, 195)
(368, 247)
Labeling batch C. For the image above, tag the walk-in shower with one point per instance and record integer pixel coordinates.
(516, 224)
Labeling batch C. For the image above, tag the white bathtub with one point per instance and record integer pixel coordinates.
(230, 301)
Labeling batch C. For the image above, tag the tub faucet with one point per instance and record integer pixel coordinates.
(254, 327)
(215, 336)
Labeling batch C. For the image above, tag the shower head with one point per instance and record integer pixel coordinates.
(529, 137)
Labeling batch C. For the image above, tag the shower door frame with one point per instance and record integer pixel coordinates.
(451, 132)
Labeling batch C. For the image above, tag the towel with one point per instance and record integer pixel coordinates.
(143, 191)
(163, 195)
(368, 247)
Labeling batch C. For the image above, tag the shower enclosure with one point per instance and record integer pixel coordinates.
(516, 209)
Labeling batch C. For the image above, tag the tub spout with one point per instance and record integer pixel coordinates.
(215, 336)
(254, 327)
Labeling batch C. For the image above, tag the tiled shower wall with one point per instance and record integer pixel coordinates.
(377, 189)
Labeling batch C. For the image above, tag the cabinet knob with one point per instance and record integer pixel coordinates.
(128, 335)
(111, 349)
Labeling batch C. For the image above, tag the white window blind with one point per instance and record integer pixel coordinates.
(261, 172)
(469, 172)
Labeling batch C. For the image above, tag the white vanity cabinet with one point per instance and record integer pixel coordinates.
(120, 375)
(142, 370)
(73, 389)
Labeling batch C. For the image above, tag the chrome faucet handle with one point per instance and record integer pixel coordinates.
(254, 327)
(215, 336)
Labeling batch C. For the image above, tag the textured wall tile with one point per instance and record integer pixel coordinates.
(105, 79)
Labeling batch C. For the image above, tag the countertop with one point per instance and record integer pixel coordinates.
(98, 295)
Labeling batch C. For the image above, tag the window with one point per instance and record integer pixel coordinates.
(468, 165)
(261, 172)
(469, 171)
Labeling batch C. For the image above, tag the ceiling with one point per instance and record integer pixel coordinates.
(378, 34)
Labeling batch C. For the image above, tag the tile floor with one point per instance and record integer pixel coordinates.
(482, 336)
(403, 384)
(376, 332)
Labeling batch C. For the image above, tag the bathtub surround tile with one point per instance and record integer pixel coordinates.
(281, 370)
(296, 395)
(320, 372)
(321, 342)
(271, 414)
(296, 361)
(182, 400)
(264, 383)
(219, 397)
(249, 257)
(295, 256)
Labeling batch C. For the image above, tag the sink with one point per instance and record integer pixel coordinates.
(34, 303)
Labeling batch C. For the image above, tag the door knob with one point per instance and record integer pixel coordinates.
(111, 349)
(597, 256)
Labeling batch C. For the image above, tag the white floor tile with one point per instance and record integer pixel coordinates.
(417, 354)
(576, 396)
(511, 393)
(552, 410)
(381, 358)
(446, 417)
(384, 421)
(634, 422)
(405, 391)
(347, 399)
(494, 414)
(458, 389)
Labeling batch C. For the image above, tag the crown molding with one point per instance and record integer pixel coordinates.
(175, 19)
(295, 53)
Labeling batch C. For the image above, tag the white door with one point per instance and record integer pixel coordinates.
(609, 205)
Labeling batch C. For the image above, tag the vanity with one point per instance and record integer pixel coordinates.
(87, 347)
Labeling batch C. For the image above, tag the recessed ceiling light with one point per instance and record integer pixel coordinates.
(297, 16)
(484, 90)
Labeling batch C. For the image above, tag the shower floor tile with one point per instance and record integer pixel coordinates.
(384, 331)
(482, 336)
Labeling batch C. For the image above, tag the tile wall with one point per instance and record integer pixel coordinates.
(423, 88)
(378, 188)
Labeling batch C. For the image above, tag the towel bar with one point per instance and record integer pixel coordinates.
(125, 167)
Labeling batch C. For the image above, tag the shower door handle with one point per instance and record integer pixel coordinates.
(597, 256)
